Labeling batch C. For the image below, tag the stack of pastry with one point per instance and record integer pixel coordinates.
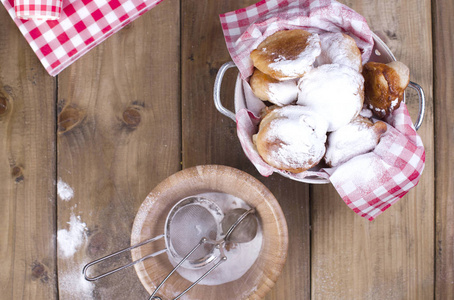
(317, 87)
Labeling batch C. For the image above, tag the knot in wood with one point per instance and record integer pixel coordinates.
(3, 105)
(131, 117)
(69, 117)
(17, 173)
(39, 271)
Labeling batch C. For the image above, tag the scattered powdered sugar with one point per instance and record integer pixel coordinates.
(333, 91)
(65, 192)
(283, 92)
(338, 49)
(293, 68)
(71, 281)
(302, 136)
(72, 284)
(349, 141)
(69, 240)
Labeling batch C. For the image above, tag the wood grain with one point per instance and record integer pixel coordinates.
(391, 257)
(139, 107)
(444, 128)
(210, 138)
(27, 170)
(118, 136)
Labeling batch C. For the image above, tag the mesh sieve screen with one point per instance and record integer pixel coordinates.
(187, 227)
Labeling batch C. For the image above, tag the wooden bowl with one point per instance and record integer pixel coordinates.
(151, 217)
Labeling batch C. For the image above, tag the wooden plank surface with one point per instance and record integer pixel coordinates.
(139, 107)
(118, 137)
(210, 138)
(391, 257)
(444, 139)
(27, 170)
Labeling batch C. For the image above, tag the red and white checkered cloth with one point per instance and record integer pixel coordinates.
(38, 9)
(244, 29)
(83, 24)
(369, 183)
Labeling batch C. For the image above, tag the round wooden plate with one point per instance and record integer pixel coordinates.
(150, 220)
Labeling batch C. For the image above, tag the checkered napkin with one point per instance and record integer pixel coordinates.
(246, 28)
(369, 183)
(38, 9)
(83, 24)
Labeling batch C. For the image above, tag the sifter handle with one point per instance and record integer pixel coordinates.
(202, 241)
(85, 269)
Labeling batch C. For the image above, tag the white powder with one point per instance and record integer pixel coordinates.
(69, 240)
(365, 172)
(283, 93)
(349, 141)
(239, 259)
(366, 113)
(65, 192)
(380, 111)
(293, 68)
(394, 104)
(338, 49)
(72, 284)
(300, 135)
(333, 91)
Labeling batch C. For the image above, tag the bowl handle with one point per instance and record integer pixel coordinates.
(422, 103)
(217, 90)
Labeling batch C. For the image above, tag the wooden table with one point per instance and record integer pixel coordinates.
(139, 108)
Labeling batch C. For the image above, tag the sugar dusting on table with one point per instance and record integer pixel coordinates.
(71, 281)
(64, 191)
(69, 240)
(72, 284)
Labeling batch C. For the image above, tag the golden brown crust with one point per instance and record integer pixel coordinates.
(287, 44)
(384, 87)
(259, 82)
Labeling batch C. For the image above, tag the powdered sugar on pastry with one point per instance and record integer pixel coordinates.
(294, 67)
(292, 138)
(334, 91)
(366, 113)
(358, 137)
(283, 93)
(339, 48)
(286, 54)
(267, 88)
